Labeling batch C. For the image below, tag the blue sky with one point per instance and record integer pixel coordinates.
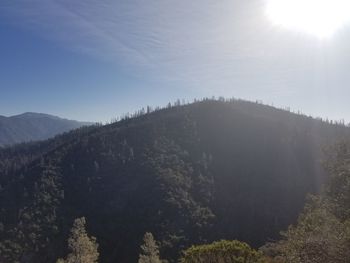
(93, 60)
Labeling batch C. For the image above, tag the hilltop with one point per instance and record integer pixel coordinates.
(192, 173)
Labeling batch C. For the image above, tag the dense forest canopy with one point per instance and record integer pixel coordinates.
(190, 174)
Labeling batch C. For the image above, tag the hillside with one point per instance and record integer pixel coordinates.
(33, 127)
(195, 173)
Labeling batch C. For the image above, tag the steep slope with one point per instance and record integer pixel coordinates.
(188, 174)
(33, 127)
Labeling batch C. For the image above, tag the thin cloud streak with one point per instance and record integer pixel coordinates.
(226, 46)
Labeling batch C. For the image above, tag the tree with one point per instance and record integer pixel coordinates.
(84, 249)
(222, 252)
(150, 250)
(338, 186)
(322, 233)
(318, 237)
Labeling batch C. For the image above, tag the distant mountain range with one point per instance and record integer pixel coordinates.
(32, 126)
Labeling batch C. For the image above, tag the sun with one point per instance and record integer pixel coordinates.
(321, 18)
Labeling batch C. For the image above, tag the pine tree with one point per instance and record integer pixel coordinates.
(83, 248)
(150, 250)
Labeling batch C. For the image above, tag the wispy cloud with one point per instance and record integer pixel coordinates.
(205, 43)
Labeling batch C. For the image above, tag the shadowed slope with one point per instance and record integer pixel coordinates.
(195, 173)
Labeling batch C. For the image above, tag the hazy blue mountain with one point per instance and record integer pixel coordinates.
(32, 126)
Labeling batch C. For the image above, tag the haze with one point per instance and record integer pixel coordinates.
(94, 60)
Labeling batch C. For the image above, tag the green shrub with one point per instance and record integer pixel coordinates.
(222, 252)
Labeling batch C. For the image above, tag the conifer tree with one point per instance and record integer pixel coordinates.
(150, 250)
(84, 249)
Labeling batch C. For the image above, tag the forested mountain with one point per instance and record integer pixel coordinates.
(33, 127)
(189, 174)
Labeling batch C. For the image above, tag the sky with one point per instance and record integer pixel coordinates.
(93, 60)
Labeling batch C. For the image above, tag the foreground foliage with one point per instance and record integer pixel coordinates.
(222, 252)
(150, 250)
(83, 249)
(322, 233)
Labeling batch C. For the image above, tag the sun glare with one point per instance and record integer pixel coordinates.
(321, 18)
